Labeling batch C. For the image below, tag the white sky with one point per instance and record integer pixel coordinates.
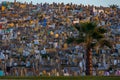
(91, 2)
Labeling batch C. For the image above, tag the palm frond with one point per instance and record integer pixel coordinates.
(79, 40)
(101, 30)
(93, 44)
(96, 35)
(88, 26)
(77, 26)
(104, 42)
(70, 40)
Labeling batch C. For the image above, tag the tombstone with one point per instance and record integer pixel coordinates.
(1, 72)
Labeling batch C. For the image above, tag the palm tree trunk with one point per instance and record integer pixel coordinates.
(89, 61)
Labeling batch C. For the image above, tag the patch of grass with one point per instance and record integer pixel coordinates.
(65, 78)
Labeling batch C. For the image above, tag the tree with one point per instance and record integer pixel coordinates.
(91, 36)
(114, 6)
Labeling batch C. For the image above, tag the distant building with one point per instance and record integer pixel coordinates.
(14, 1)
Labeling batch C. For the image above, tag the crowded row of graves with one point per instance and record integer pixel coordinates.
(34, 37)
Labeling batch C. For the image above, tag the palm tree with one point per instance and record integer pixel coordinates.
(91, 36)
